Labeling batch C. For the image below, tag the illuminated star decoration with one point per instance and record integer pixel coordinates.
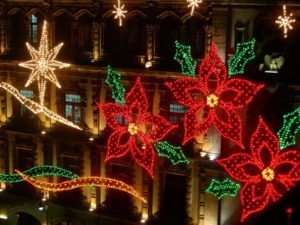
(266, 173)
(193, 4)
(113, 79)
(120, 13)
(223, 188)
(220, 98)
(43, 64)
(291, 126)
(38, 171)
(184, 57)
(82, 182)
(244, 53)
(285, 21)
(140, 131)
(171, 152)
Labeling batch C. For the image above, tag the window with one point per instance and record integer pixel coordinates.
(72, 108)
(240, 33)
(27, 94)
(33, 29)
(121, 119)
(176, 113)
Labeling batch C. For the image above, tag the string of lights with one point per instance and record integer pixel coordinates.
(120, 12)
(223, 188)
(285, 21)
(82, 182)
(35, 107)
(184, 57)
(113, 79)
(193, 4)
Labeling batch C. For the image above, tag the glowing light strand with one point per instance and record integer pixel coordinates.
(216, 95)
(184, 57)
(43, 64)
(171, 152)
(223, 188)
(285, 21)
(266, 173)
(120, 12)
(38, 171)
(35, 107)
(244, 54)
(193, 4)
(113, 79)
(139, 134)
(291, 126)
(82, 182)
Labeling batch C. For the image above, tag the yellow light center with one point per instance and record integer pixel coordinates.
(43, 64)
(212, 100)
(132, 129)
(268, 174)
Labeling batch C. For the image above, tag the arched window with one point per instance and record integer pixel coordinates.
(33, 29)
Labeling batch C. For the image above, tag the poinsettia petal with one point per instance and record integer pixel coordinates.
(279, 189)
(237, 166)
(185, 91)
(195, 126)
(252, 200)
(160, 127)
(237, 93)
(229, 125)
(118, 144)
(212, 69)
(288, 165)
(264, 144)
(143, 156)
(136, 100)
(110, 112)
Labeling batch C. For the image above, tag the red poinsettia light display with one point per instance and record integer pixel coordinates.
(266, 173)
(215, 97)
(141, 129)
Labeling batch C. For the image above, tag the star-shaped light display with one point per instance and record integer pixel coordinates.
(43, 64)
(120, 12)
(285, 21)
(266, 173)
(193, 4)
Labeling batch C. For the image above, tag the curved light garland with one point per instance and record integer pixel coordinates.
(36, 107)
(38, 171)
(82, 182)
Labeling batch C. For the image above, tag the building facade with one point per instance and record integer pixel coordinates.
(92, 40)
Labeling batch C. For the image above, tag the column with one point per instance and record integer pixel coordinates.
(87, 170)
(102, 123)
(208, 38)
(138, 185)
(53, 100)
(98, 40)
(11, 140)
(102, 174)
(40, 153)
(3, 36)
(54, 157)
(9, 106)
(194, 191)
(88, 111)
(219, 24)
(150, 42)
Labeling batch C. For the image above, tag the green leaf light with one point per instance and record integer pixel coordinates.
(38, 171)
(183, 56)
(223, 188)
(244, 53)
(113, 79)
(291, 126)
(171, 152)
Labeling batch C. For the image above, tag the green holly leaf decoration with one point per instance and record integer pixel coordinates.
(184, 57)
(171, 152)
(113, 79)
(244, 53)
(223, 188)
(291, 126)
